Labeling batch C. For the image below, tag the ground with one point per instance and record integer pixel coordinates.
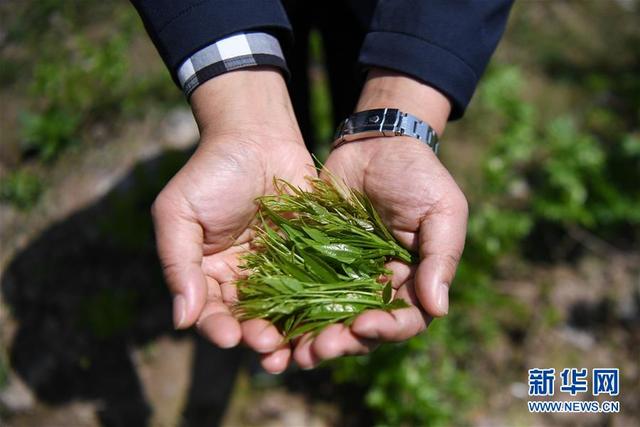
(85, 328)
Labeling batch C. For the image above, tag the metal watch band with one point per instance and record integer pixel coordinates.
(384, 122)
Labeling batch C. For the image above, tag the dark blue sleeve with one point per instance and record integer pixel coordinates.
(180, 28)
(445, 43)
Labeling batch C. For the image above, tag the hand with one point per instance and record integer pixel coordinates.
(420, 203)
(202, 217)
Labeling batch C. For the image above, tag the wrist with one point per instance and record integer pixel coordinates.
(251, 101)
(389, 89)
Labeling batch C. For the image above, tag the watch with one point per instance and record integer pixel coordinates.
(384, 122)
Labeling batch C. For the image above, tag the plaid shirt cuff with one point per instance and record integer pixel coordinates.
(231, 53)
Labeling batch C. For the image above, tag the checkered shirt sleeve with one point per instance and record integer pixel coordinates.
(231, 53)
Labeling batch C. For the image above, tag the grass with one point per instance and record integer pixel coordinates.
(87, 71)
(21, 188)
(4, 370)
(320, 107)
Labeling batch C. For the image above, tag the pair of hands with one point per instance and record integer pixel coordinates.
(249, 135)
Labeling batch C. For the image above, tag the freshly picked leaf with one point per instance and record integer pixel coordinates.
(319, 256)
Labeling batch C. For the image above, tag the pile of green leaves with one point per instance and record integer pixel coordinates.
(319, 259)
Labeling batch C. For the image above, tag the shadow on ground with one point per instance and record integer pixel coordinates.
(87, 291)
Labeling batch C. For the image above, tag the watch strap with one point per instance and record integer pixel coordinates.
(384, 122)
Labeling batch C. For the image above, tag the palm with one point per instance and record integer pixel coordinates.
(214, 195)
(398, 182)
(424, 208)
(221, 186)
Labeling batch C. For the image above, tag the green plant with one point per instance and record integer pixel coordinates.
(321, 263)
(48, 133)
(420, 382)
(75, 86)
(21, 188)
(4, 369)
(81, 76)
(320, 97)
(557, 171)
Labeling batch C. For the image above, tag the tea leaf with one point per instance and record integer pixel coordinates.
(318, 258)
(386, 294)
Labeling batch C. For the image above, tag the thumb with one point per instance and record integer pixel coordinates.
(179, 240)
(441, 239)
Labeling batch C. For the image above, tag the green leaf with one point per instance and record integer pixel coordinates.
(294, 270)
(316, 235)
(339, 251)
(396, 304)
(283, 283)
(318, 268)
(386, 293)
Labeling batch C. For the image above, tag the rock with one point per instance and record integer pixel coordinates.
(580, 339)
(518, 390)
(179, 129)
(16, 396)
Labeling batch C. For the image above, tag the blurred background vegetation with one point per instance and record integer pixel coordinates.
(548, 155)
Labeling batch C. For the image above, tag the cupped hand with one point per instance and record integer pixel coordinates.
(426, 211)
(203, 216)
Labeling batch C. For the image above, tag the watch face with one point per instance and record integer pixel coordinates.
(380, 120)
(366, 121)
(373, 118)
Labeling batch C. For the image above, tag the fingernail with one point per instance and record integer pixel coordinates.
(179, 311)
(442, 300)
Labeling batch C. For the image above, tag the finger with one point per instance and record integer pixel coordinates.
(338, 340)
(261, 336)
(408, 239)
(229, 293)
(277, 361)
(303, 354)
(216, 322)
(400, 272)
(442, 235)
(397, 325)
(224, 266)
(219, 326)
(179, 242)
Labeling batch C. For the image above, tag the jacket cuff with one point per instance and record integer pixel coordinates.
(201, 23)
(231, 53)
(424, 61)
